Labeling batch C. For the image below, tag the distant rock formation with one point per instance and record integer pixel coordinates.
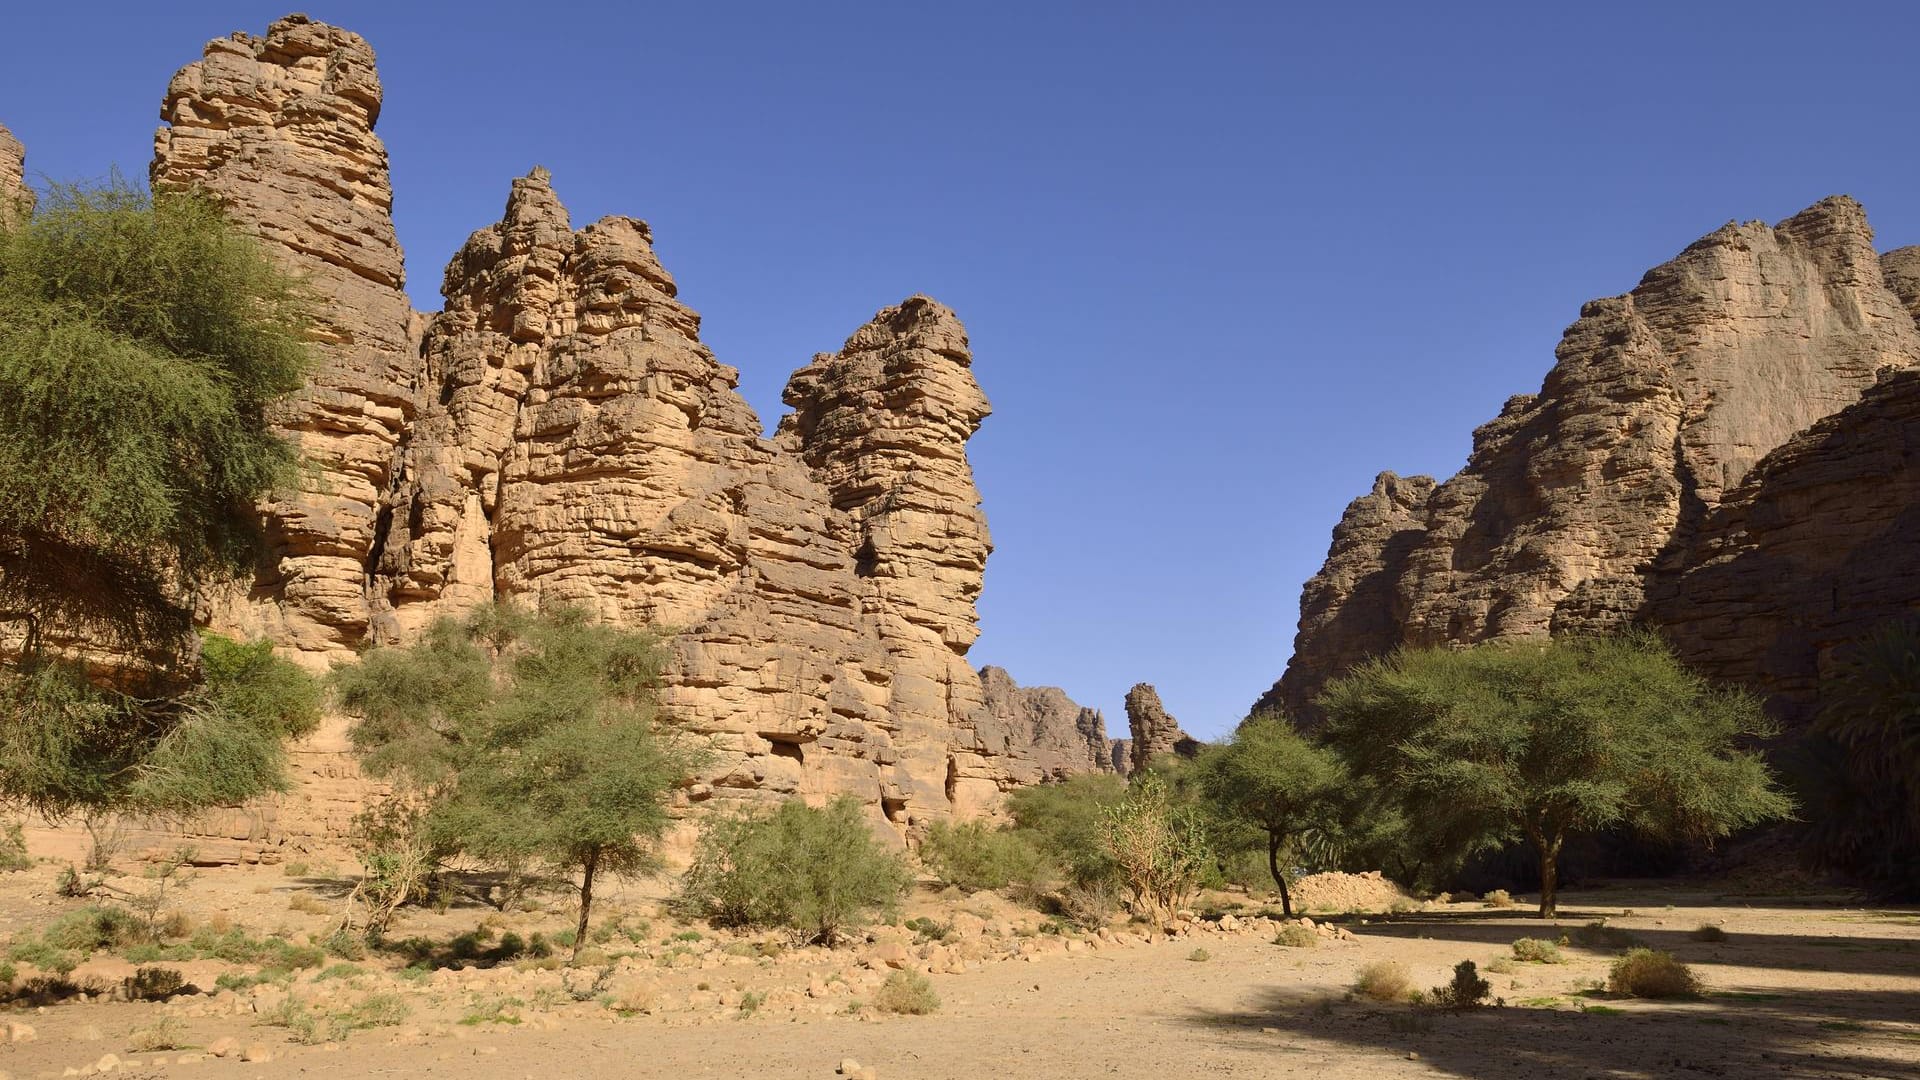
(1155, 732)
(1063, 738)
(14, 191)
(1599, 501)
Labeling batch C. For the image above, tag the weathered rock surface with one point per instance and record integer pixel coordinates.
(279, 129)
(1579, 502)
(1155, 732)
(1062, 738)
(13, 175)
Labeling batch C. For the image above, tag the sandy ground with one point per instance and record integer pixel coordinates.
(1798, 989)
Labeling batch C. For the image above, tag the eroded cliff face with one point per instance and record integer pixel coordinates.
(1062, 738)
(1155, 731)
(279, 129)
(1580, 503)
(14, 192)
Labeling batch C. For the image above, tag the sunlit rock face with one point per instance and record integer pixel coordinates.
(1599, 501)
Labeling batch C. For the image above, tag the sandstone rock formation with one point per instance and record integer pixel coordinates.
(1581, 502)
(559, 434)
(14, 191)
(279, 129)
(1062, 738)
(1154, 731)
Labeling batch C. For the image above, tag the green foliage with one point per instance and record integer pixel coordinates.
(1525, 740)
(1861, 762)
(1538, 951)
(1295, 936)
(1467, 990)
(524, 741)
(1161, 848)
(1064, 821)
(1273, 778)
(816, 872)
(1647, 973)
(975, 855)
(141, 343)
(13, 848)
(908, 993)
(154, 984)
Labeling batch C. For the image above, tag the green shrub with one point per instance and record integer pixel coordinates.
(1537, 951)
(1199, 956)
(906, 992)
(153, 984)
(1296, 936)
(1646, 973)
(1063, 819)
(974, 856)
(1161, 847)
(95, 926)
(13, 848)
(1467, 990)
(816, 872)
(1383, 980)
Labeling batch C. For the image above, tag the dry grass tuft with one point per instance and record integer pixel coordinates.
(1383, 980)
(906, 992)
(1498, 898)
(1709, 932)
(1647, 973)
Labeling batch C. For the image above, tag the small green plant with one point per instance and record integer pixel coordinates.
(1708, 932)
(1538, 951)
(906, 992)
(1296, 936)
(1647, 973)
(165, 1033)
(1502, 965)
(1467, 990)
(751, 1001)
(13, 848)
(926, 931)
(294, 869)
(1383, 980)
(817, 872)
(1199, 956)
(498, 1010)
(684, 935)
(340, 971)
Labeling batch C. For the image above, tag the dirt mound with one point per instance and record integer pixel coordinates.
(1335, 891)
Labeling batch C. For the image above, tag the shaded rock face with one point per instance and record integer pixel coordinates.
(1580, 503)
(1155, 732)
(559, 434)
(1062, 738)
(14, 192)
(279, 129)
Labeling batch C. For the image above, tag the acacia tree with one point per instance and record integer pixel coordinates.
(528, 741)
(1537, 741)
(141, 344)
(1284, 784)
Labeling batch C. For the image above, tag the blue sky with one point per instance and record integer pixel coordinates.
(1221, 263)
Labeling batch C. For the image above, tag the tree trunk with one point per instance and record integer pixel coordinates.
(586, 900)
(1273, 867)
(1549, 876)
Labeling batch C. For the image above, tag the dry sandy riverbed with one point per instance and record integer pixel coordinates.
(1795, 991)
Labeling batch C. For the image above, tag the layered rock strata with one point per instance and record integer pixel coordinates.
(1155, 731)
(279, 130)
(1580, 503)
(1061, 738)
(15, 195)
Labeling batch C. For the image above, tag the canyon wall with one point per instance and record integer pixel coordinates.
(1063, 738)
(14, 191)
(1632, 488)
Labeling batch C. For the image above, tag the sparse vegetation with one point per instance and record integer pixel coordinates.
(1199, 956)
(1498, 898)
(1708, 932)
(1161, 848)
(1296, 936)
(975, 855)
(906, 992)
(1383, 980)
(167, 1032)
(1647, 973)
(1538, 951)
(818, 873)
(1467, 990)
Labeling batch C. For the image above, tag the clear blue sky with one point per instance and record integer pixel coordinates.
(1221, 263)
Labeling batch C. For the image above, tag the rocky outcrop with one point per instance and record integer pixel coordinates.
(14, 192)
(1581, 502)
(1155, 732)
(1060, 737)
(279, 129)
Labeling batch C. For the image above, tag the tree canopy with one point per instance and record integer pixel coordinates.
(1863, 780)
(1283, 783)
(1535, 741)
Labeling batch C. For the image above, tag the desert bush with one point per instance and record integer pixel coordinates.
(1538, 951)
(1088, 904)
(1647, 973)
(816, 872)
(153, 984)
(1199, 956)
(1498, 898)
(1063, 818)
(906, 992)
(13, 848)
(1160, 848)
(166, 1033)
(1296, 936)
(1467, 990)
(975, 855)
(95, 926)
(1708, 932)
(1598, 935)
(1285, 786)
(1383, 980)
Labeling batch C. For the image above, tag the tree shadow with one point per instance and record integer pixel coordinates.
(1827, 1033)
